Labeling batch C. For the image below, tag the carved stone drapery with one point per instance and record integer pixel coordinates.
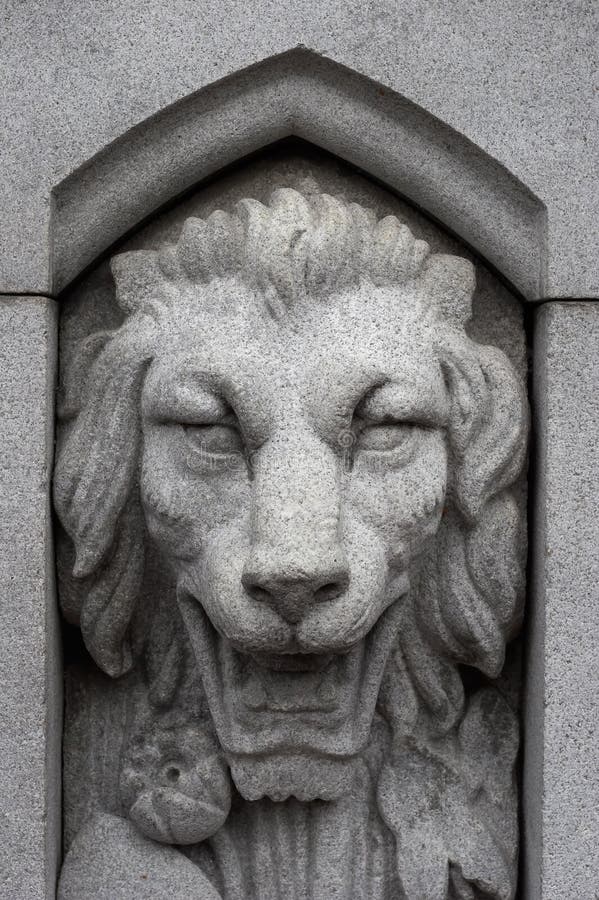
(289, 480)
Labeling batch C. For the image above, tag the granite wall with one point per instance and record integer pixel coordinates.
(483, 115)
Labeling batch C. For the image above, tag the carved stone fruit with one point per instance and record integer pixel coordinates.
(175, 785)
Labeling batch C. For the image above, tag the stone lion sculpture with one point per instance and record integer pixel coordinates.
(292, 422)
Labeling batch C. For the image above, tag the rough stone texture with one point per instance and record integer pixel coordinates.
(30, 678)
(562, 731)
(111, 860)
(519, 81)
(290, 484)
(319, 101)
(515, 79)
(497, 314)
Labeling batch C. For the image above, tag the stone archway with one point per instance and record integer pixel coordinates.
(302, 94)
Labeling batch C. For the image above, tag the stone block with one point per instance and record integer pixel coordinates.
(561, 788)
(514, 79)
(30, 668)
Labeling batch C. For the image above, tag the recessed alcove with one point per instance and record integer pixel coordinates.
(100, 710)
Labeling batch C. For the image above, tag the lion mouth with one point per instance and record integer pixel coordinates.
(292, 662)
(265, 702)
(296, 683)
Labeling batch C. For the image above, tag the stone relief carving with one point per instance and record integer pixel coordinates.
(293, 445)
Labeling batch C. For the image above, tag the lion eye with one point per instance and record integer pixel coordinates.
(214, 438)
(386, 436)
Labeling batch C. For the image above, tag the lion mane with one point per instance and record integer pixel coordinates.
(466, 600)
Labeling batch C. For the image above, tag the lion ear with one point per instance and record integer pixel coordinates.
(95, 499)
(488, 427)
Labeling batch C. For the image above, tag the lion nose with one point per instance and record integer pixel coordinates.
(293, 592)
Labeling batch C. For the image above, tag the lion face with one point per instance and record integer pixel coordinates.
(290, 397)
(292, 413)
(292, 471)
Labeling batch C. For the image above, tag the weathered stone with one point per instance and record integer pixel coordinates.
(516, 80)
(562, 725)
(110, 859)
(30, 677)
(290, 484)
(484, 116)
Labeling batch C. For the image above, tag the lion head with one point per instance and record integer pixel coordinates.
(293, 415)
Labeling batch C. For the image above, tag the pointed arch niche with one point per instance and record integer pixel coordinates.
(301, 95)
(291, 117)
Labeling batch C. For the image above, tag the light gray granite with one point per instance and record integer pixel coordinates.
(112, 860)
(303, 95)
(290, 490)
(561, 712)
(30, 667)
(516, 80)
(482, 113)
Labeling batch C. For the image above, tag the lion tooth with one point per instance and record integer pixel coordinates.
(326, 691)
(253, 693)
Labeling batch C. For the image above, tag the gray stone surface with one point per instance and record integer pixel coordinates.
(290, 489)
(497, 315)
(515, 79)
(111, 860)
(30, 676)
(301, 94)
(519, 81)
(562, 730)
